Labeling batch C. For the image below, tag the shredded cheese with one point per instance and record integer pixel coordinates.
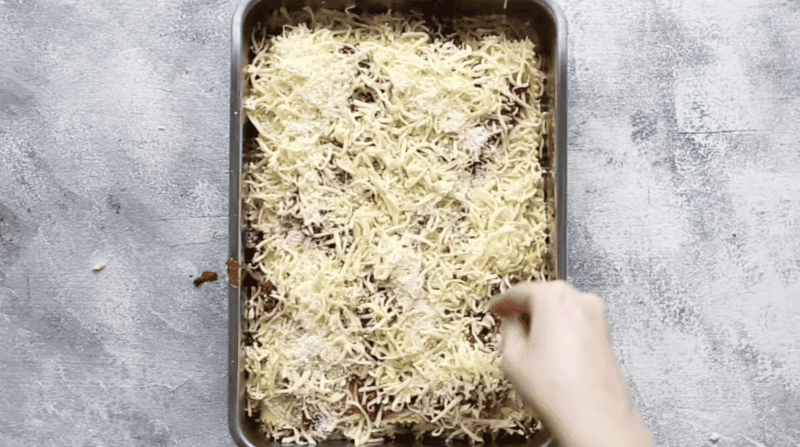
(394, 185)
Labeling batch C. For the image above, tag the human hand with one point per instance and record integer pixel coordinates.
(557, 353)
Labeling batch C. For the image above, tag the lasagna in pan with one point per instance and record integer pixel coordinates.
(393, 187)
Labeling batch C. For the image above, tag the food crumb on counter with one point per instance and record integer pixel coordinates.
(205, 277)
(98, 267)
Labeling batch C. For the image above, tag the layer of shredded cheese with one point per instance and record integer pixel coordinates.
(394, 185)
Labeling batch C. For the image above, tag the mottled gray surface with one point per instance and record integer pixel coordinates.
(684, 204)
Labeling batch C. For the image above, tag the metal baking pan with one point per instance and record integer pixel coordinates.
(546, 27)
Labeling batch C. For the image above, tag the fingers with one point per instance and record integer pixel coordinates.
(513, 365)
(517, 377)
(520, 301)
(527, 296)
(507, 308)
(513, 305)
(514, 340)
(522, 292)
(515, 297)
(514, 346)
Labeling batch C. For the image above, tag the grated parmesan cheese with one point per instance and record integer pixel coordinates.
(393, 187)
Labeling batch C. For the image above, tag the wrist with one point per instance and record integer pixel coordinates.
(605, 431)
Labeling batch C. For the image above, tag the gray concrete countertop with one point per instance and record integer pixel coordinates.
(683, 199)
